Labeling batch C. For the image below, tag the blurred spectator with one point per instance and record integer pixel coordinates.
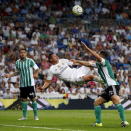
(43, 26)
(7, 94)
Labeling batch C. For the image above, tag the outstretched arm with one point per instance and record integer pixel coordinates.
(46, 84)
(11, 75)
(85, 63)
(99, 58)
(48, 80)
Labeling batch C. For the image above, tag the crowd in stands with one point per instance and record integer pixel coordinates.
(48, 25)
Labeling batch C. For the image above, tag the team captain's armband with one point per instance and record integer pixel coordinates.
(34, 65)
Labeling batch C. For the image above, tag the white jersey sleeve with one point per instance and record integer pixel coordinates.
(68, 61)
(49, 75)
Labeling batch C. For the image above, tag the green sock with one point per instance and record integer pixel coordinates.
(98, 114)
(24, 108)
(121, 111)
(34, 106)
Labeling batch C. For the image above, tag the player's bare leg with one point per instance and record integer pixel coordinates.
(116, 100)
(99, 101)
(92, 78)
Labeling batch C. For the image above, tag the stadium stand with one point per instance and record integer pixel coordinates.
(46, 25)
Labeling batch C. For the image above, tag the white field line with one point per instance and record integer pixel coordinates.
(38, 127)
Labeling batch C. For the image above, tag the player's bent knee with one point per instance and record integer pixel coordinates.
(97, 103)
(115, 99)
(116, 102)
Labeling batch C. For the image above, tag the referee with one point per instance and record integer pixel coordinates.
(28, 70)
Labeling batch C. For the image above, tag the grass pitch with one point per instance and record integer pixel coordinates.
(62, 120)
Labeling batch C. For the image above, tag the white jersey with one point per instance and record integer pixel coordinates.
(63, 70)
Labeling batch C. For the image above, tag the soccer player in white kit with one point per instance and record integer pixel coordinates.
(63, 70)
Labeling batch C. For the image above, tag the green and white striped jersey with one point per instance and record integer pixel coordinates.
(106, 72)
(25, 68)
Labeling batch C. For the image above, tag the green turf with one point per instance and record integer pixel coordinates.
(64, 120)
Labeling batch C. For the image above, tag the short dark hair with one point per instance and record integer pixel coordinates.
(50, 56)
(22, 49)
(104, 53)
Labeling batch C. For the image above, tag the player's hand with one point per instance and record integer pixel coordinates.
(42, 89)
(35, 76)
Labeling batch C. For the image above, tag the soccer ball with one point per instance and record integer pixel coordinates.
(77, 10)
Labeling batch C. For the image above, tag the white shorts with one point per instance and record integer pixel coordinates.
(76, 74)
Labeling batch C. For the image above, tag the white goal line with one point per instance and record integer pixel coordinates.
(38, 127)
